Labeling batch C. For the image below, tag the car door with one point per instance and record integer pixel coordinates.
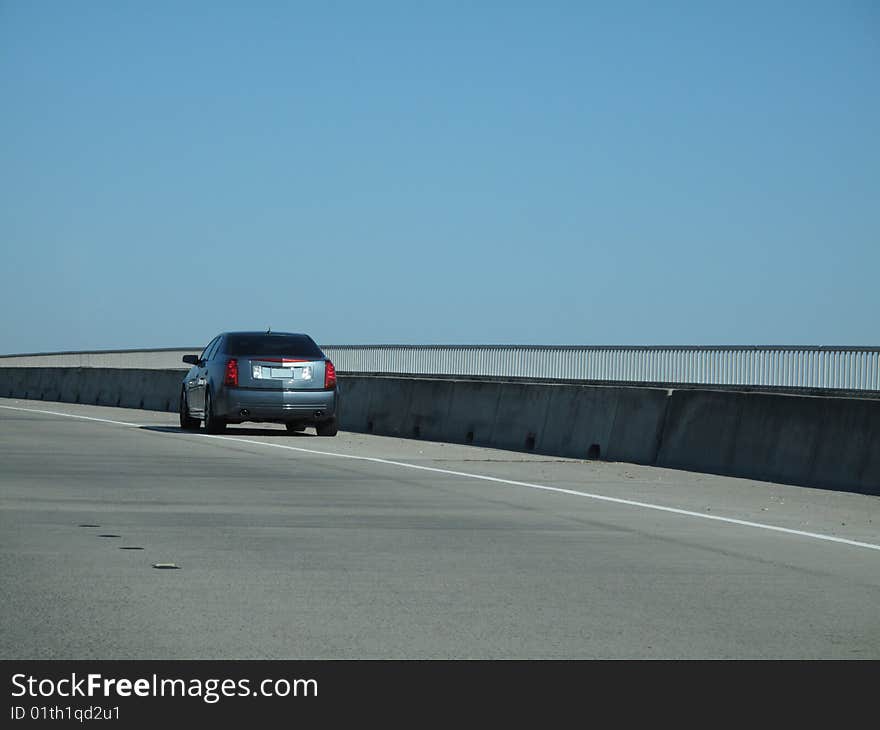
(196, 385)
(209, 366)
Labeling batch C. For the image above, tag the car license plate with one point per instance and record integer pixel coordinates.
(282, 373)
(303, 372)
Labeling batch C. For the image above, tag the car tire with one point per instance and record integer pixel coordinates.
(187, 423)
(212, 423)
(295, 427)
(327, 428)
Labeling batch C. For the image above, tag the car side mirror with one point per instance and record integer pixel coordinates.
(191, 359)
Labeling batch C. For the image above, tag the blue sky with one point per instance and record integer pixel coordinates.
(474, 172)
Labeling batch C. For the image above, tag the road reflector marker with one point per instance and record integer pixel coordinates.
(130, 547)
(109, 535)
(166, 566)
(88, 525)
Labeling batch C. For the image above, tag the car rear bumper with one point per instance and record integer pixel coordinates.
(236, 405)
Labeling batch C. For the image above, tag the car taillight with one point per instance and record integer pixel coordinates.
(231, 373)
(329, 375)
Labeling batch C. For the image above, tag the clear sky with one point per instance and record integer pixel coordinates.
(439, 172)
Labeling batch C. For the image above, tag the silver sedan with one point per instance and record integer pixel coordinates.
(266, 377)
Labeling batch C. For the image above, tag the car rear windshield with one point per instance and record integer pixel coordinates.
(276, 345)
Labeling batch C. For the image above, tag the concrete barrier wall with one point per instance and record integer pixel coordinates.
(619, 423)
(831, 443)
(812, 441)
(154, 390)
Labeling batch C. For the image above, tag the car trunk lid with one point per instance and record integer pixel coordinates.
(280, 373)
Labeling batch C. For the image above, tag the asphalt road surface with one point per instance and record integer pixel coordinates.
(284, 552)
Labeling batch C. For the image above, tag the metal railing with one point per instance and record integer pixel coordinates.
(839, 368)
(773, 366)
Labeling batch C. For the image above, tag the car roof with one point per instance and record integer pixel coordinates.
(249, 333)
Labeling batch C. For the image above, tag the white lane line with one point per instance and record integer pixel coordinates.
(498, 480)
(71, 415)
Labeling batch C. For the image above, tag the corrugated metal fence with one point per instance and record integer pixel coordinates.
(839, 368)
(845, 368)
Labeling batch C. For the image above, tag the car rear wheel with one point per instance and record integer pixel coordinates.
(328, 428)
(212, 423)
(295, 427)
(187, 423)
